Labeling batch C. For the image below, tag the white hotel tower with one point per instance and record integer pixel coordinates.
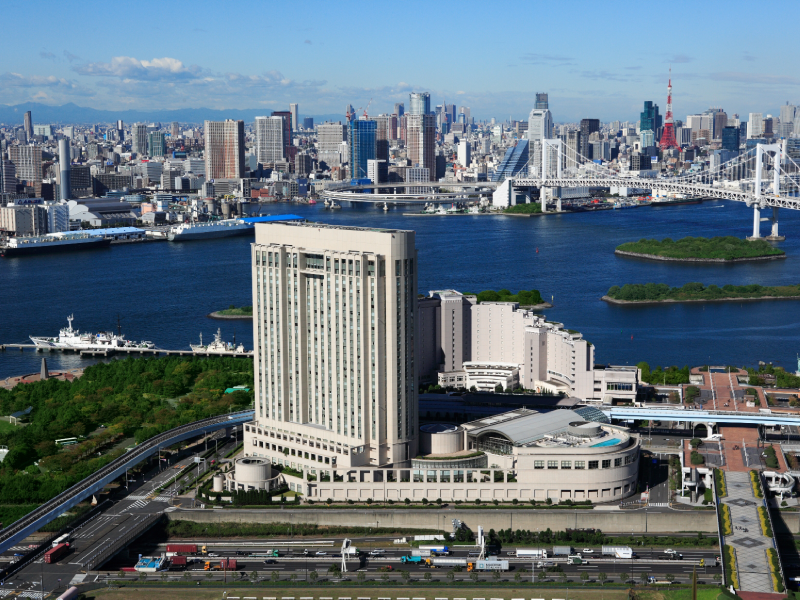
(334, 331)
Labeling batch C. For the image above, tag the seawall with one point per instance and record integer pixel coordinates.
(622, 521)
(722, 261)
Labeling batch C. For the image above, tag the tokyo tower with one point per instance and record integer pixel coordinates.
(668, 135)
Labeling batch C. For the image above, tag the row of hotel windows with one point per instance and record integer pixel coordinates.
(317, 261)
(299, 440)
(581, 464)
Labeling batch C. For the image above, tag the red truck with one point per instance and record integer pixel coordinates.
(54, 554)
(182, 548)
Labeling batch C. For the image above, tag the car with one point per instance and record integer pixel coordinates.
(669, 551)
(305, 552)
(588, 551)
(213, 554)
(269, 561)
(320, 553)
(377, 552)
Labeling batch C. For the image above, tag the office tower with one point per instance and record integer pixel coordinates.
(349, 112)
(574, 148)
(730, 139)
(69, 131)
(720, 120)
(647, 138)
(399, 109)
(755, 125)
(383, 135)
(540, 127)
(421, 140)
(308, 123)
(464, 110)
(224, 153)
(175, 129)
(28, 125)
(541, 101)
(419, 103)
(450, 113)
(377, 171)
(287, 129)
(156, 144)
(514, 161)
(64, 184)
(363, 146)
(28, 166)
(766, 126)
(8, 176)
(269, 140)
(302, 164)
(464, 153)
(588, 127)
(329, 141)
(649, 118)
(139, 139)
(295, 116)
(334, 331)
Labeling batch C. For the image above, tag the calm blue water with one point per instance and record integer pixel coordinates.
(163, 291)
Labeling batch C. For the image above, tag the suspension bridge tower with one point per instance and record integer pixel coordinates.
(668, 135)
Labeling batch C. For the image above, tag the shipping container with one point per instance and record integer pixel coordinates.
(425, 553)
(491, 565)
(179, 561)
(228, 564)
(562, 550)
(434, 548)
(447, 562)
(54, 554)
(182, 548)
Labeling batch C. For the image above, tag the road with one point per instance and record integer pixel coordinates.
(97, 534)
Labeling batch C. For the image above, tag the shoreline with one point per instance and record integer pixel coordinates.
(216, 315)
(611, 300)
(697, 260)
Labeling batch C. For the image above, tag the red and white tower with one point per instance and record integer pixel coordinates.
(668, 135)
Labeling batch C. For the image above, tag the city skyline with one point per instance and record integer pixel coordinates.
(156, 70)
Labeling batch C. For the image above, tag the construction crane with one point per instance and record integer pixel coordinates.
(366, 116)
(352, 115)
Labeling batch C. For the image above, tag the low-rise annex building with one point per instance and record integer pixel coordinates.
(464, 344)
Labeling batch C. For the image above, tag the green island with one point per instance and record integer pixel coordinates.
(109, 409)
(524, 297)
(716, 249)
(534, 208)
(632, 293)
(233, 312)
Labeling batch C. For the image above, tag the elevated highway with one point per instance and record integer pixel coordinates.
(701, 416)
(48, 511)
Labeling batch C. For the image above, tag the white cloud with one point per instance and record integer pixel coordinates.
(126, 67)
(30, 81)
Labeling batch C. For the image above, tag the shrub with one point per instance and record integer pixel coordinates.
(696, 458)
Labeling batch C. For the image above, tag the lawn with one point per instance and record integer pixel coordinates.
(5, 426)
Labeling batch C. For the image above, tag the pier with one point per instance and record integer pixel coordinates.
(113, 351)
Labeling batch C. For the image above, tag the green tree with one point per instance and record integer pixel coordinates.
(517, 576)
(451, 575)
(669, 577)
(361, 577)
(474, 576)
(624, 577)
(643, 578)
(385, 577)
(564, 577)
(584, 577)
(313, 575)
(405, 576)
(601, 577)
(275, 577)
(496, 575)
(427, 576)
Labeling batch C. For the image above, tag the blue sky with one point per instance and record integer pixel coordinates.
(595, 59)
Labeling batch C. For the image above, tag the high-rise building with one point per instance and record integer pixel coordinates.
(330, 137)
(295, 116)
(8, 176)
(574, 148)
(464, 110)
(464, 153)
(450, 113)
(588, 127)
(175, 129)
(421, 141)
(514, 161)
(363, 146)
(755, 125)
(730, 139)
(541, 101)
(399, 109)
(224, 152)
(647, 138)
(28, 125)
(540, 127)
(419, 103)
(287, 129)
(64, 184)
(308, 123)
(334, 331)
(28, 166)
(139, 139)
(302, 164)
(720, 121)
(385, 132)
(156, 144)
(269, 139)
(649, 118)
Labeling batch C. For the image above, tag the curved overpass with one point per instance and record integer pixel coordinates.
(51, 509)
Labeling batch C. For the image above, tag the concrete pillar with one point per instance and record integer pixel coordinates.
(774, 222)
(543, 198)
(558, 205)
(756, 220)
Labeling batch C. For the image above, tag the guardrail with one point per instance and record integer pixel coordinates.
(67, 499)
(103, 553)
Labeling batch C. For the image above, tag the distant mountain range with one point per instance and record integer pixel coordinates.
(72, 113)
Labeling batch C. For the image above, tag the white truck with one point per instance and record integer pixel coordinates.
(491, 565)
(618, 551)
(529, 553)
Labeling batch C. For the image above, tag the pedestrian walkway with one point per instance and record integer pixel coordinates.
(751, 545)
(737, 441)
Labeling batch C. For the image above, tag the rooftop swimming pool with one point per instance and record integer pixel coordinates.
(611, 442)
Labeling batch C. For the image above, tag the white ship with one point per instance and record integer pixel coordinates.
(72, 339)
(217, 346)
(53, 242)
(211, 229)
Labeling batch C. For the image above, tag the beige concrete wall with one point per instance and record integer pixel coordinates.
(435, 519)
